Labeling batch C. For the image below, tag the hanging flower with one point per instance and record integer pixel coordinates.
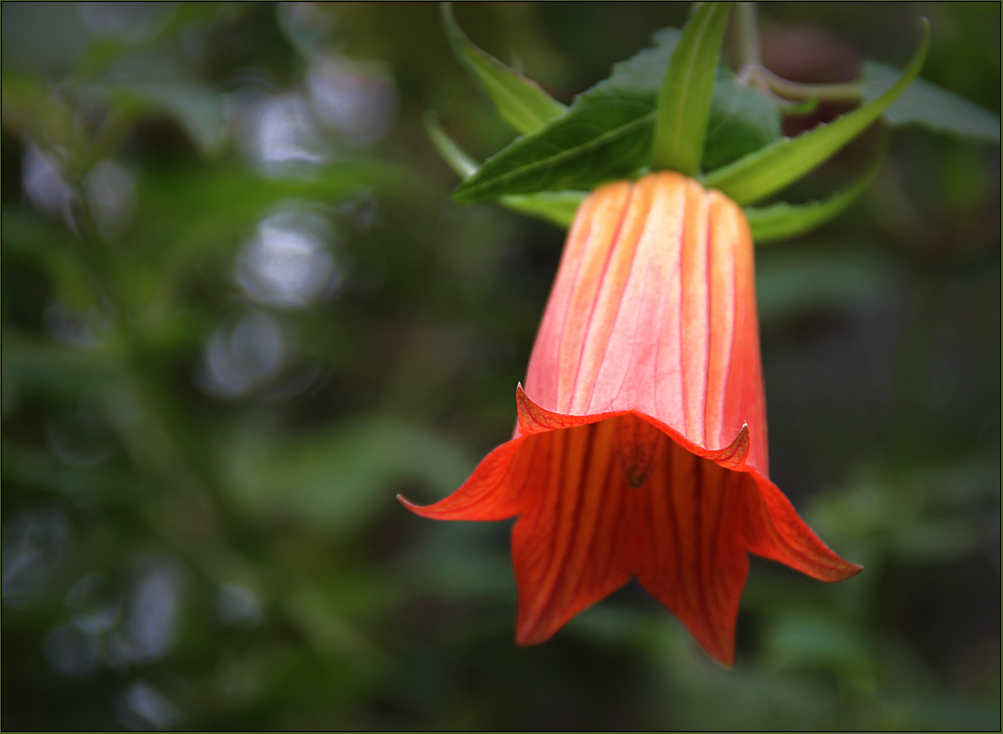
(640, 448)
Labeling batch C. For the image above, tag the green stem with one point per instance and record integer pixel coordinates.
(795, 90)
(684, 100)
(747, 24)
(753, 73)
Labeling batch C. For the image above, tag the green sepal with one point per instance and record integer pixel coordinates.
(771, 169)
(521, 102)
(684, 99)
(459, 161)
(783, 220)
(607, 132)
(557, 207)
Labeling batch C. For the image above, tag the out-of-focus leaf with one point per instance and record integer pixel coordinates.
(784, 220)
(320, 615)
(930, 106)
(42, 37)
(199, 210)
(237, 194)
(775, 702)
(766, 171)
(197, 107)
(521, 102)
(31, 236)
(940, 713)
(800, 640)
(338, 481)
(158, 24)
(800, 281)
(461, 561)
(926, 517)
(30, 467)
(607, 132)
(49, 369)
(31, 109)
(685, 96)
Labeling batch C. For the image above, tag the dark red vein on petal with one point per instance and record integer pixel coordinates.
(558, 559)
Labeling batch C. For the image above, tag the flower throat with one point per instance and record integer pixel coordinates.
(636, 447)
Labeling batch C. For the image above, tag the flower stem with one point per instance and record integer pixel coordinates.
(796, 90)
(753, 73)
(684, 100)
(747, 24)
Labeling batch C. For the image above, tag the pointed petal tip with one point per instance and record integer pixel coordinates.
(720, 647)
(523, 640)
(733, 456)
(832, 567)
(779, 533)
(726, 661)
(444, 509)
(527, 635)
(416, 509)
(846, 571)
(534, 418)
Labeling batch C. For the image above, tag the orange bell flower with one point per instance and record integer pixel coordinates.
(640, 448)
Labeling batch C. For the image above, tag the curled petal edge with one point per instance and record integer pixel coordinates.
(774, 530)
(536, 419)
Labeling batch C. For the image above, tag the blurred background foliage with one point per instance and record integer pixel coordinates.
(241, 313)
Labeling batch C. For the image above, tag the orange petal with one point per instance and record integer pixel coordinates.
(607, 500)
(643, 449)
(488, 493)
(534, 418)
(776, 531)
(571, 545)
(654, 312)
(696, 564)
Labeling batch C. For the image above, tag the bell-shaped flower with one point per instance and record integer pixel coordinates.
(640, 449)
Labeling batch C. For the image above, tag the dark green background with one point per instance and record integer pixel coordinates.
(200, 465)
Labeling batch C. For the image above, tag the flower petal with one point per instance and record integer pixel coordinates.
(535, 418)
(654, 311)
(696, 564)
(571, 546)
(776, 531)
(643, 449)
(608, 500)
(488, 493)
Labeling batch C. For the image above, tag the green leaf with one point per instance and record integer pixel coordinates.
(930, 106)
(607, 132)
(766, 171)
(557, 207)
(782, 221)
(742, 120)
(684, 100)
(521, 102)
